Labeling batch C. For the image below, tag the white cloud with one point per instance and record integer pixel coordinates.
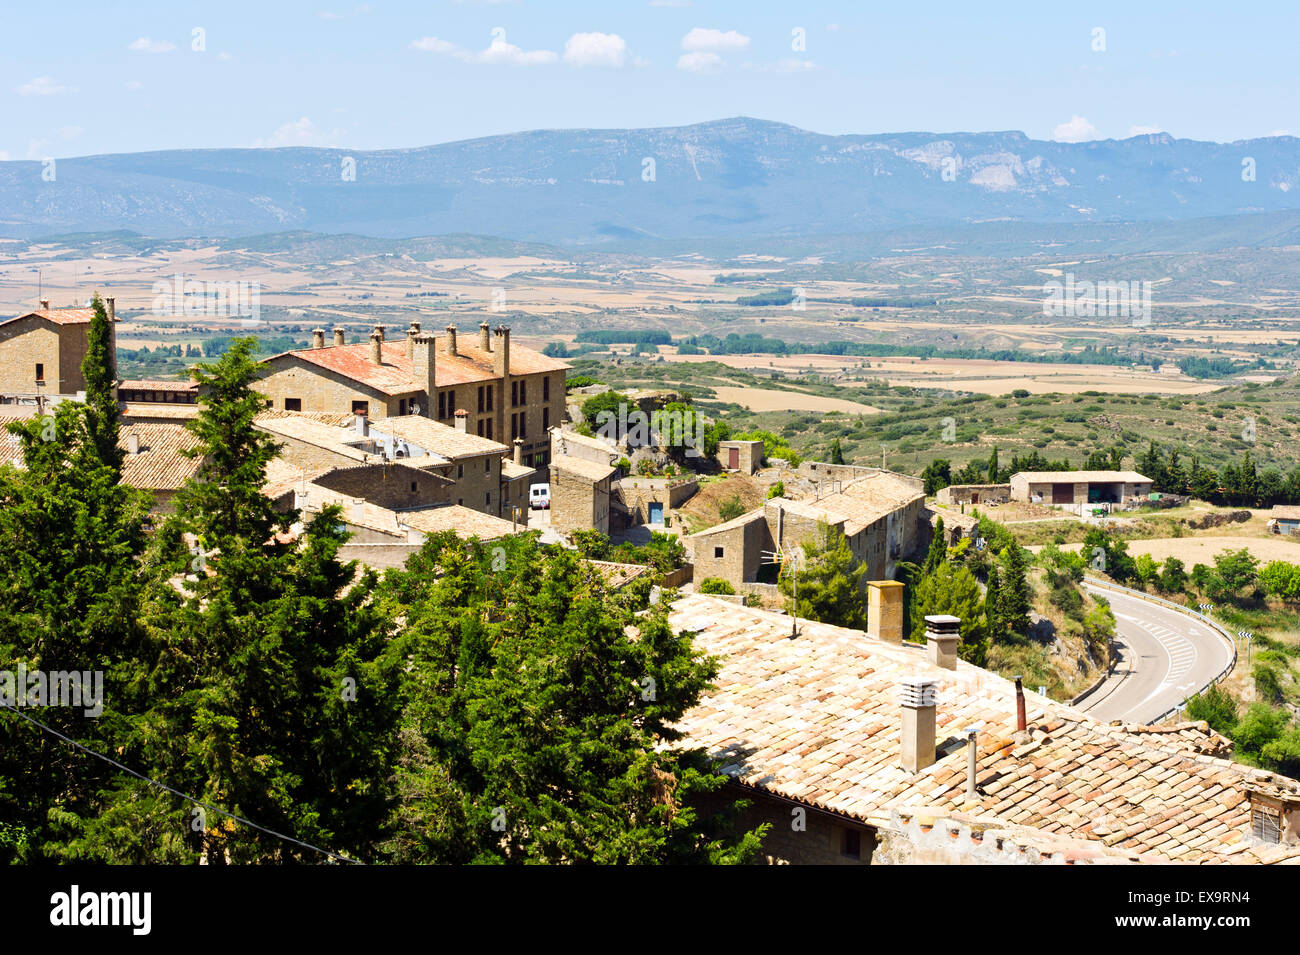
(1077, 130)
(1144, 130)
(301, 132)
(595, 49)
(43, 86)
(699, 62)
(146, 45)
(133, 85)
(704, 39)
(498, 52)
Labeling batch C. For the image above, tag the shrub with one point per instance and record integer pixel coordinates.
(716, 585)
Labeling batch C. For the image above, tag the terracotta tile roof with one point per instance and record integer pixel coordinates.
(1285, 512)
(616, 574)
(59, 316)
(160, 465)
(157, 384)
(817, 720)
(451, 443)
(11, 449)
(394, 376)
(741, 521)
(149, 410)
(587, 470)
(465, 521)
(514, 472)
(1079, 477)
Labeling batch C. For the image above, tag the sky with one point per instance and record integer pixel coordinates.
(86, 78)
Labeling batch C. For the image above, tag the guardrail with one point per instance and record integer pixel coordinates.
(1214, 625)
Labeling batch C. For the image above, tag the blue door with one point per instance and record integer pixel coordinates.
(656, 512)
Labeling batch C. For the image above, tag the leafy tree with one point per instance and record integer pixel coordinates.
(831, 580)
(938, 551)
(836, 453)
(1015, 600)
(952, 589)
(98, 367)
(937, 475)
(776, 490)
(535, 728)
(1216, 707)
(994, 472)
(1280, 579)
(1173, 576)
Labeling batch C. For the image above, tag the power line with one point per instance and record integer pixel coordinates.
(177, 792)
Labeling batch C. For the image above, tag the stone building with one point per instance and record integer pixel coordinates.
(880, 513)
(506, 391)
(973, 494)
(1079, 487)
(41, 352)
(905, 753)
(406, 461)
(743, 456)
(580, 492)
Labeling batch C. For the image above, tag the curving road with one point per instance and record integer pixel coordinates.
(1165, 657)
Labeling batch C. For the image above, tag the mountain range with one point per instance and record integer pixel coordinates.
(732, 179)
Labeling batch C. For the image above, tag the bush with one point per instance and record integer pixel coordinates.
(776, 490)
(731, 508)
(715, 585)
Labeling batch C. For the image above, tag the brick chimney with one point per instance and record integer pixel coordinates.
(519, 451)
(110, 306)
(501, 354)
(885, 610)
(376, 348)
(918, 698)
(423, 367)
(410, 338)
(485, 336)
(361, 423)
(942, 634)
(462, 420)
(45, 304)
(133, 442)
(318, 338)
(451, 339)
(338, 335)
(1022, 725)
(379, 330)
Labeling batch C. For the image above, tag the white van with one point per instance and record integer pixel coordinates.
(539, 497)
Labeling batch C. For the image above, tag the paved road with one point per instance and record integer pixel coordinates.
(1165, 657)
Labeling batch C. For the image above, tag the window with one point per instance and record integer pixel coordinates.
(414, 487)
(851, 844)
(292, 404)
(546, 418)
(361, 407)
(451, 402)
(523, 425)
(480, 428)
(514, 427)
(460, 501)
(487, 499)
(442, 404)
(523, 392)
(460, 471)
(1265, 826)
(491, 389)
(40, 372)
(514, 394)
(546, 389)
(489, 428)
(401, 406)
(718, 552)
(480, 400)
(487, 465)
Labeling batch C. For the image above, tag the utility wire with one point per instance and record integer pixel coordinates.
(177, 792)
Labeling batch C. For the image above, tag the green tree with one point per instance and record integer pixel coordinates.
(830, 584)
(938, 551)
(99, 368)
(1016, 599)
(837, 452)
(952, 589)
(937, 475)
(1216, 707)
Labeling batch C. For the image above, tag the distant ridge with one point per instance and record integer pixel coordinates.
(730, 179)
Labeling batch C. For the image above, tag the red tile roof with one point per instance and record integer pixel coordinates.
(59, 316)
(394, 376)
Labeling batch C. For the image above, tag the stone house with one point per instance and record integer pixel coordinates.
(879, 513)
(580, 491)
(41, 352)
(1072, 488)
(973, 493)
(743, 456)
(506, 391)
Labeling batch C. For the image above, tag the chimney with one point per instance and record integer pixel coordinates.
(451, 339)
(942, 634)
(501, 354)
(972, 764)
(379, 330)
(362, 424)
(1021, 726)
(376, 348)
(110, 306)
(318, 338)
(462, 420)
(885, 610)
(410, 338)
(133, 442)
(45, 304)
(338, 335)
(918, 699)
(423, 367)
(519, 451)
(485, 336)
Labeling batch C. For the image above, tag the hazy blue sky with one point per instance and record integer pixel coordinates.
(79, 78)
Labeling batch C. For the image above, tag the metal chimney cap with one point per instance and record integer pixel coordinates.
(942, 623)
(917, 691)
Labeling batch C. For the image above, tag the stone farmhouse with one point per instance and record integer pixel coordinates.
(506, 392)
(903, 753)
(1071, 488)
(881, 513)
(41, 353)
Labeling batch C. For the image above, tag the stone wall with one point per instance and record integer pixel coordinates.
(577, 504)
(319, 389)
(389, 486)
(973, 493)
(798, 835)
(59, 348)
(741, 543)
